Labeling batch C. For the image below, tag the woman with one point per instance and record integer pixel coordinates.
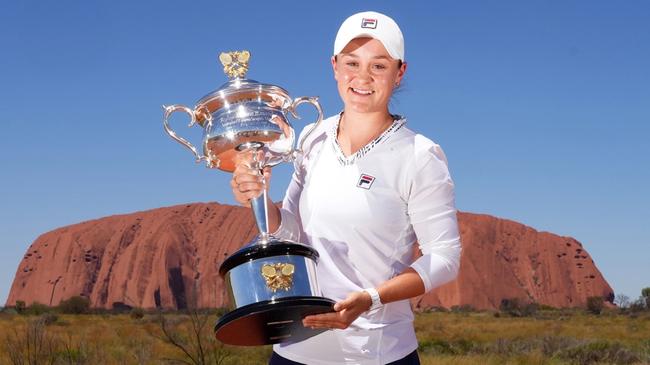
(365, 191)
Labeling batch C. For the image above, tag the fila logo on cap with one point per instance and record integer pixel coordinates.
(369, 23)
(365, 181)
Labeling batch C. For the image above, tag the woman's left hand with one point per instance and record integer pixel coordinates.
(346, 312)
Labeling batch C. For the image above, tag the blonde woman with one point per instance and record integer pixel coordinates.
(366, 191)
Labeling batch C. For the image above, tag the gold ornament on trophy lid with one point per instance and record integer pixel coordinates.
(235, 63)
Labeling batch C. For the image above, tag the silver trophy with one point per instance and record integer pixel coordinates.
(271, 283)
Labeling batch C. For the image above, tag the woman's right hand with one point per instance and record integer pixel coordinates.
(247, 183)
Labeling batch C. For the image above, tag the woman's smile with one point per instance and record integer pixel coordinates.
(363, 92)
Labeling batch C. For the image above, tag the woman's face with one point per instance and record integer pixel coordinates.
(366, 75)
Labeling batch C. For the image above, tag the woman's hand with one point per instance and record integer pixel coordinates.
(345, 313)
(247, 182)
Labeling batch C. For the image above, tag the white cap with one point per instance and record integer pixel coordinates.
(374, 25)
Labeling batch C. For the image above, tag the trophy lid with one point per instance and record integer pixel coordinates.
(239, 89)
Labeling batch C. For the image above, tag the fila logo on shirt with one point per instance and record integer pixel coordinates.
(369, 23)
(365, 181)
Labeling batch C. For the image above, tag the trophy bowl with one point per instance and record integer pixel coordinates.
(271, 283)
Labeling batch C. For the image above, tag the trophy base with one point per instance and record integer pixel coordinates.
(270, 322)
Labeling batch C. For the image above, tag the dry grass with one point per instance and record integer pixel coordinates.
(551, 337)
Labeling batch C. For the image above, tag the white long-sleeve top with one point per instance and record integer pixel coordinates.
(364, 214)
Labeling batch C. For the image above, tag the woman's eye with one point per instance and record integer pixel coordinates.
(379, 67)
(352, 64)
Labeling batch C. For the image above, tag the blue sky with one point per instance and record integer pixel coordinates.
(543, 108)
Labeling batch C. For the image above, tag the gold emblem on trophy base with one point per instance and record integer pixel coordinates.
(278, 276)
(235, 63)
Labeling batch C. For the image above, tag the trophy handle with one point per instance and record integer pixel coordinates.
(313, 100)
(168, 112)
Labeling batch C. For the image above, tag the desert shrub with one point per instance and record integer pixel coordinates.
(637, 306)
(565, 348)
(192, 337)
(431, 309)
(645, 349)
(71, 352)
(141, 350)
(530, 309)
(37, 309)
(546, 307)
(511, 306)
(49, 318)
(438, 309)
(622, 301)
(465, 308)
(595, 305)
(600, 352)
(137, 313)
(75, 305)
(643, 303)
(220, 311)
(442, 347)
(20, 306)
(554, 345)
(516, 307)
(514, 347)
(9, 311)
(30, 345)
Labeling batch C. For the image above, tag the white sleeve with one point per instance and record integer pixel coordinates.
(290, 225)
(289, 213)
(432, 213)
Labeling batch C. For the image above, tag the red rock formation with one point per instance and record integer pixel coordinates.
(505, 259)
(170, 257)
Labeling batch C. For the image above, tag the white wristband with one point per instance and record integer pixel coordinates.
(376, 301)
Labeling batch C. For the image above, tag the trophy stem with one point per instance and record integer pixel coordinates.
(258, 204)
(260, 212)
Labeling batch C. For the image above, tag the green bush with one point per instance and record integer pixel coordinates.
(20, 306)
(220, 311)
(554, 345)
(600, 352)
(465, 308)
(645, 294)
(37, 309)
(595, 305)
(546, 307)
(9, 311)
(75, 305)
(31, 344)
(137, 313)
(516, 307)
(442, 347)
(638, 305)
(49, 318)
